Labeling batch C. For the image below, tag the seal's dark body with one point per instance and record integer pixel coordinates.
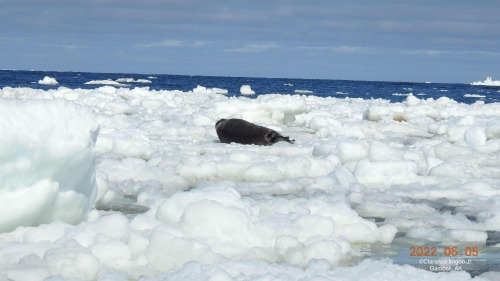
(241, 131)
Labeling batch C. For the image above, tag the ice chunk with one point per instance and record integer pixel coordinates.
(48, 81)
(246, 90)
(46, 162)
(488, 82)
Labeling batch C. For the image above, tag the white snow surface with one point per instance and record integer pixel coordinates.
(48, 81)
(173, 203)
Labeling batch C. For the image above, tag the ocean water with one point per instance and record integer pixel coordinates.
(393, 91)
(366, 181)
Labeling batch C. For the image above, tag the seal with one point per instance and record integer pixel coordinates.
(244, 132)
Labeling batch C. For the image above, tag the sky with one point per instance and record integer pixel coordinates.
(449, 41)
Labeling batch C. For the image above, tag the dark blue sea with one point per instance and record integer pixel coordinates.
(393, 91)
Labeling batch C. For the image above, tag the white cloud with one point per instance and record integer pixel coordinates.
(343, 49)
(375, 50)
(450, 52)
(172, 43)
(426, 52)
(354, 49)
(254, 48)
(65, 46)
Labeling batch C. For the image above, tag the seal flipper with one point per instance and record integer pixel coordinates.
(287, 139)
(274, 137)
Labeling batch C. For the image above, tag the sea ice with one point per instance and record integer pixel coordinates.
(201, 89)
(303, 92)
(106, 82)
(171, 201)
(246, 90)
(48, 81)
(132, 80)
(46, 162)
(488, 82)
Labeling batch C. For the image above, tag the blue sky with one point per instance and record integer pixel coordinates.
(416, 41)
